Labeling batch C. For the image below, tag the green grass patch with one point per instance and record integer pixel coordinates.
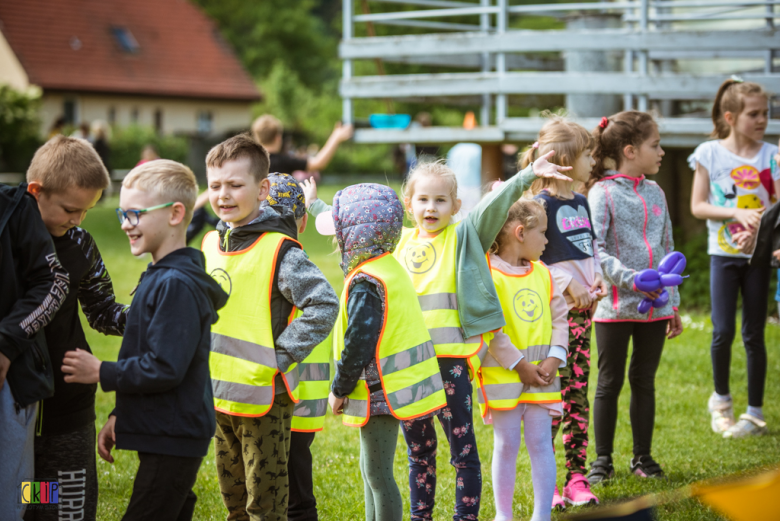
(683, 442)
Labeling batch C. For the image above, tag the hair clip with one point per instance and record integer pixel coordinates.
(737, 79)
(535, 145)
(604, 122)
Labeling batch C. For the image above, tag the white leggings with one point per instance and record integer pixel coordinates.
(506, 444)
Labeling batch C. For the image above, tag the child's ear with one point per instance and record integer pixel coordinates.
(408, 203)
(520, 233)
(265, 189)
(456, 206)
(729, 117)
(35, 188)
(304, 222)
(629, 152)
(177, 216)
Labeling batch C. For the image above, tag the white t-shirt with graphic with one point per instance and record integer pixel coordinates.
(735, 182)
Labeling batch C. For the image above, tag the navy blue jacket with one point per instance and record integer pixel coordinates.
(164, 403)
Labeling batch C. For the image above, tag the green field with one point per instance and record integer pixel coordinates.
(684, 444)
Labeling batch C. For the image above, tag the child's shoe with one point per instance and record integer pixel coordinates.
(646, 467)
(577, 492)
(558, 503)
(601, 470)
(748, 425)
(722, 412)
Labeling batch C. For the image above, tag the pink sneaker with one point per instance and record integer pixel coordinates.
(577, 492)
(558, 503)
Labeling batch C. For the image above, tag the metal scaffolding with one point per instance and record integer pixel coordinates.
(656, 39)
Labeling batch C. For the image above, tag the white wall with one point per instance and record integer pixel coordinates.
(11, 71)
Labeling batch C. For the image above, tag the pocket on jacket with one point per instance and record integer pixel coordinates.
(473, 274)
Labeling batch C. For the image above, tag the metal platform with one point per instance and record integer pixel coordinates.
(658, 44)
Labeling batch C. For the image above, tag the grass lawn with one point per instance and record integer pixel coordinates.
(684, 444)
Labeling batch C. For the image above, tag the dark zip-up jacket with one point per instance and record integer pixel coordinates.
(164, 402)
(33, 286)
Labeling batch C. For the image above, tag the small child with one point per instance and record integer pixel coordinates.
(386, 366)
(256, 258)
(314, 376)
(67, 178)
(519, 376)
(34, 286)
(573, 262)
(163, 397)
(732, 185)
(634, 232)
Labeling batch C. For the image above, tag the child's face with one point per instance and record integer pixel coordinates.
(582, 166)
(62, 211)
(153, 229)
(649, 154)
(432, 205)
(753, 119)
(234, 194)
(535, 240)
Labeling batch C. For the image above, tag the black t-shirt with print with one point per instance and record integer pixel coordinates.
(569, 231)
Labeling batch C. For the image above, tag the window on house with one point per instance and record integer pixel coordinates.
(125, 39)
(205, 122)
(69, 111)
(158, 121)
(134, 115)
(112, 115)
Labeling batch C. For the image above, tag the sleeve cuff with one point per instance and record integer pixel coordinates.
(560, 353)
(108, 376)
(512, 367)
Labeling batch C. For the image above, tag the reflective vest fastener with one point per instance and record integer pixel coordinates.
(313, 386)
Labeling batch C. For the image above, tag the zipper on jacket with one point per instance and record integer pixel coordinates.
(614, 297)
(38, 355)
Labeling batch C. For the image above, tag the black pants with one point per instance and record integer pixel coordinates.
(729, 276)
(70, 459)
(302, 504)
(162, 489)
(612, 340)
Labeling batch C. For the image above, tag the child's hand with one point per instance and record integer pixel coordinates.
(81, 367)
(675, 327)
(336, 404)
(5, 364)
(530, 374)
(542, 168)
(107, 439)
(750, 218)
(745, 240)
(550, 366)
(599, 287)
(579, 295)
(342, 132)
(309, 190)
(775, 254)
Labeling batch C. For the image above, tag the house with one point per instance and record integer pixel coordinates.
(159, 63)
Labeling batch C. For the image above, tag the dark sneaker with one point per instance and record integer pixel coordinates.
(601, 470)
(646, 467)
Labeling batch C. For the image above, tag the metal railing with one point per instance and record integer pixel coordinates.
(646, 31)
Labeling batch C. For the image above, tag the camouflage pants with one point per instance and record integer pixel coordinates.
(574, 388)
(251, 456)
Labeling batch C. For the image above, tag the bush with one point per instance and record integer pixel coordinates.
(127, 143)
(19, 127)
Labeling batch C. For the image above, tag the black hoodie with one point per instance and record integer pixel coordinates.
(164, 403)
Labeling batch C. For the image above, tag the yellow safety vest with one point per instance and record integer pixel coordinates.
(431, 266)
(243, 358)
(525, 300)
(313, 386)
(405, 356)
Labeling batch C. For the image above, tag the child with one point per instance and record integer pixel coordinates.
(528, 350)
(34, 285)
(67, 178)
(732, 186)
(161, 378)
(571, 257)
(629, 142)
(386, 366)
(255, 257)
(314, 379)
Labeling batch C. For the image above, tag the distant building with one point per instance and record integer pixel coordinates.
(158, 63)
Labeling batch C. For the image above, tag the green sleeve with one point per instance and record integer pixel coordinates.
(489, 216)
(318, 207)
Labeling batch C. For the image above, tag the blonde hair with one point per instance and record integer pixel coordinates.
(65, 161)
(525, 211)
(238, 147)
(266, 128)
(167, 179)
(567, 138)
(436, 168)
(731, 98)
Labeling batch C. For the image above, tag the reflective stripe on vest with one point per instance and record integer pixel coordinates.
(313, 386)
(525, 300)
(243, 359)
(410, 376)
(431, 266)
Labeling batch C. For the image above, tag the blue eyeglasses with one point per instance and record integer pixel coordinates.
(135, 215)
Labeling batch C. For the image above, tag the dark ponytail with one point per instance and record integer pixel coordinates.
(612, 135)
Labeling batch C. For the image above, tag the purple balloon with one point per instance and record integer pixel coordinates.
(662, 300)
(647, 280)
(673, 262)
(645, 305)
(671, 279)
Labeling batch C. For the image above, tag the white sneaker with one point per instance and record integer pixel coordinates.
(722, 412)
(747, 425)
